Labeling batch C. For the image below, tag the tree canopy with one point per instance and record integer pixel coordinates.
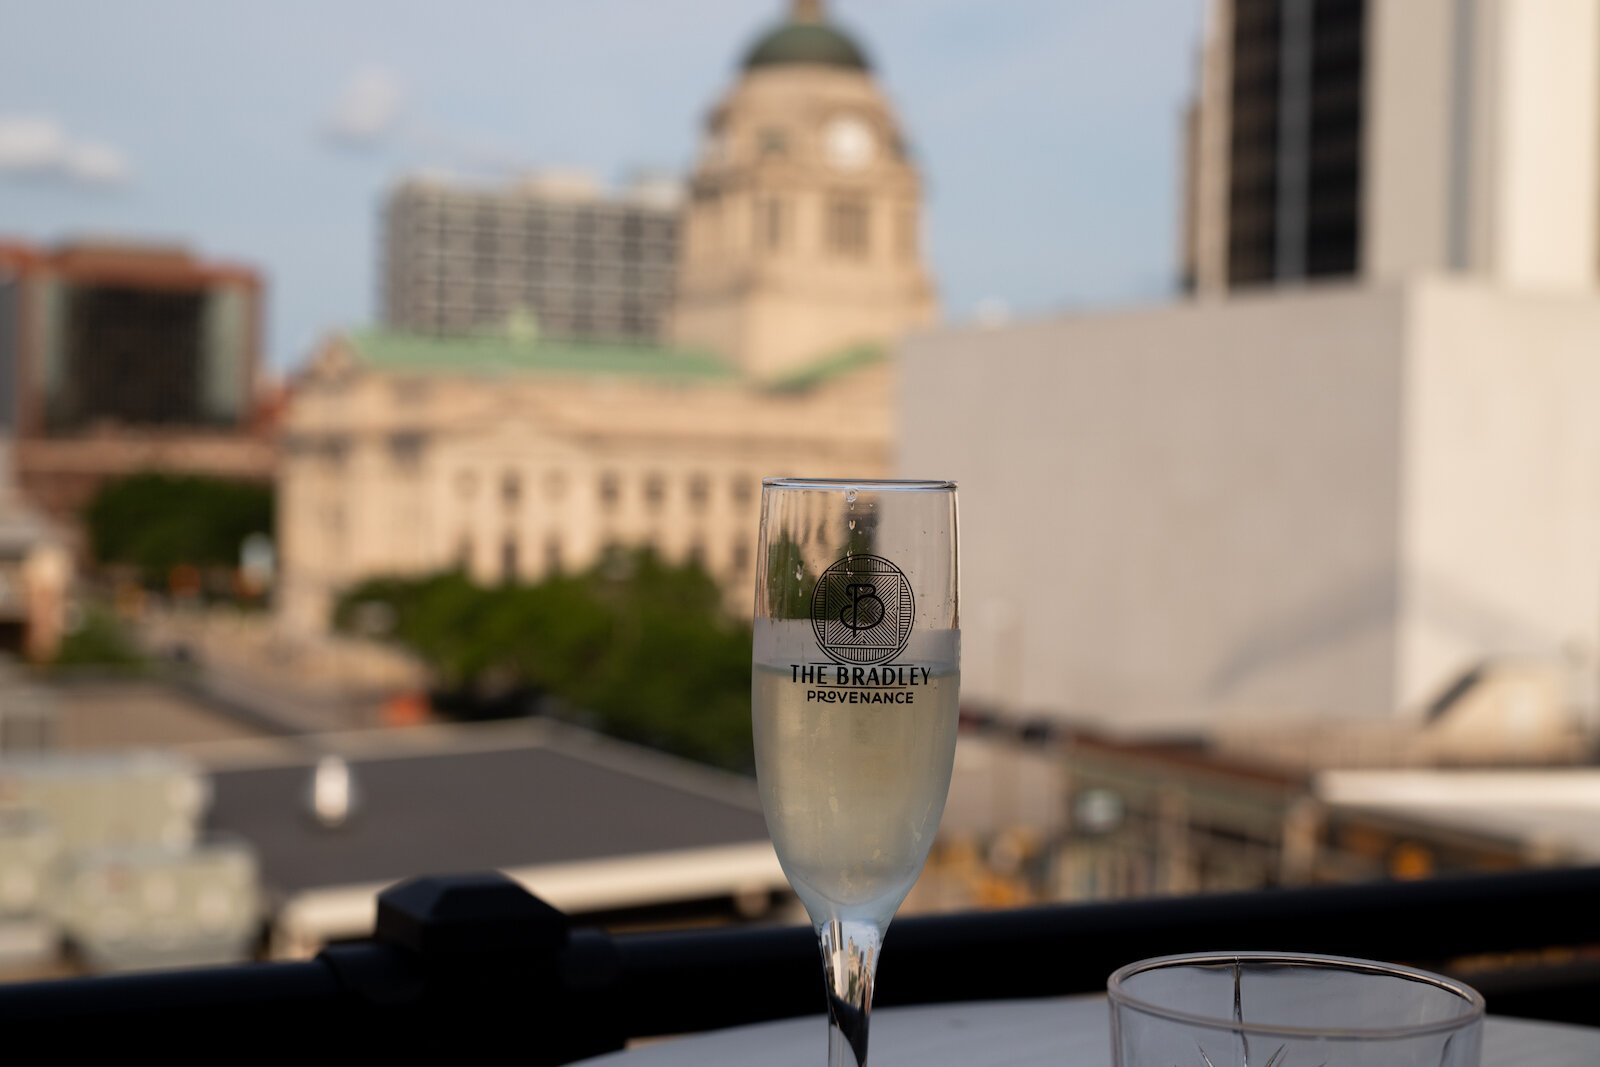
(639, 647)
(157, 521)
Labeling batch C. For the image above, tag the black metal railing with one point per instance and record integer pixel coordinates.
(477, 962)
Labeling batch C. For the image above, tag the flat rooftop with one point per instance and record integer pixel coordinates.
(433, 800)
(1550, 811)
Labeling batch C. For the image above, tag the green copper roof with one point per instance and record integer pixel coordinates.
(406, 351)
(829, 368)
(815, 43)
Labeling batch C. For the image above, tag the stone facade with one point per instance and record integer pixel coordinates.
(503, 458)
(802, 235)
(519, 456)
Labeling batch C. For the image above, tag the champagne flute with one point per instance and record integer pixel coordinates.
(854, 698)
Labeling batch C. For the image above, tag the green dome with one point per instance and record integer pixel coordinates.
(815, 43)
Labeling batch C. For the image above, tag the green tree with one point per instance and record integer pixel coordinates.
(789, 580)
(157, 521)
(100, 640)
(636, 646)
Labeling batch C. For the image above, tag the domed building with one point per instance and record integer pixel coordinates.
(519, 456)
(802, 236)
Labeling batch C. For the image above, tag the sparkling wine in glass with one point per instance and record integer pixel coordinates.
(854, 694)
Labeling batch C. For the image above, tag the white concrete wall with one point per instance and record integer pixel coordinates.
(1325, 503)
(1546, 128)
(1501, 488)
(1482, 149)
(1173, 514)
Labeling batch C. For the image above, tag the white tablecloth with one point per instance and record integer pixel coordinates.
(1065, 1032)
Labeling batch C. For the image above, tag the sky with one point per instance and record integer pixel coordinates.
(1047, 130)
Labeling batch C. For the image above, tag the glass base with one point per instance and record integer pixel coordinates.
(850, 963)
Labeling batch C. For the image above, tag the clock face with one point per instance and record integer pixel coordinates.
(848, 143)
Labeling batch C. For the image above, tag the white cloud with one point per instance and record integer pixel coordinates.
(97, 164)
(36, 147)
(373, 112)
(29, 144)
(369, 110)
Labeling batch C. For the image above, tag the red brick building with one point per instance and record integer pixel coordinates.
(116, 358)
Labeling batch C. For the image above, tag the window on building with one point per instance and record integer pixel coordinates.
(610, 490)
(742, 489)
(411, 390)
(711, 233)
(633, 321)
(699, 490)
(406, 449)
(555, 485)
(464, 552)
(335, 451)
(740, 557)
(772, 142)
(510, 489)
(697, 552)
(508, 559)
(906, 238)
(769, 223)
(552, 555)
(655, 491)
(847, 226)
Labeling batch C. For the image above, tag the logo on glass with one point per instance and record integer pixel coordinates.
(862, 610)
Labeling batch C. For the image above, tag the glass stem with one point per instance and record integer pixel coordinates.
(849, 963)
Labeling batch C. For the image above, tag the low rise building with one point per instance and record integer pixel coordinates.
(597, 828)
(516, 459)
(122, 357)
(103, 852)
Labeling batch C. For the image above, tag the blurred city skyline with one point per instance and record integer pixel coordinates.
(1284, 578)
(1049, 138)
